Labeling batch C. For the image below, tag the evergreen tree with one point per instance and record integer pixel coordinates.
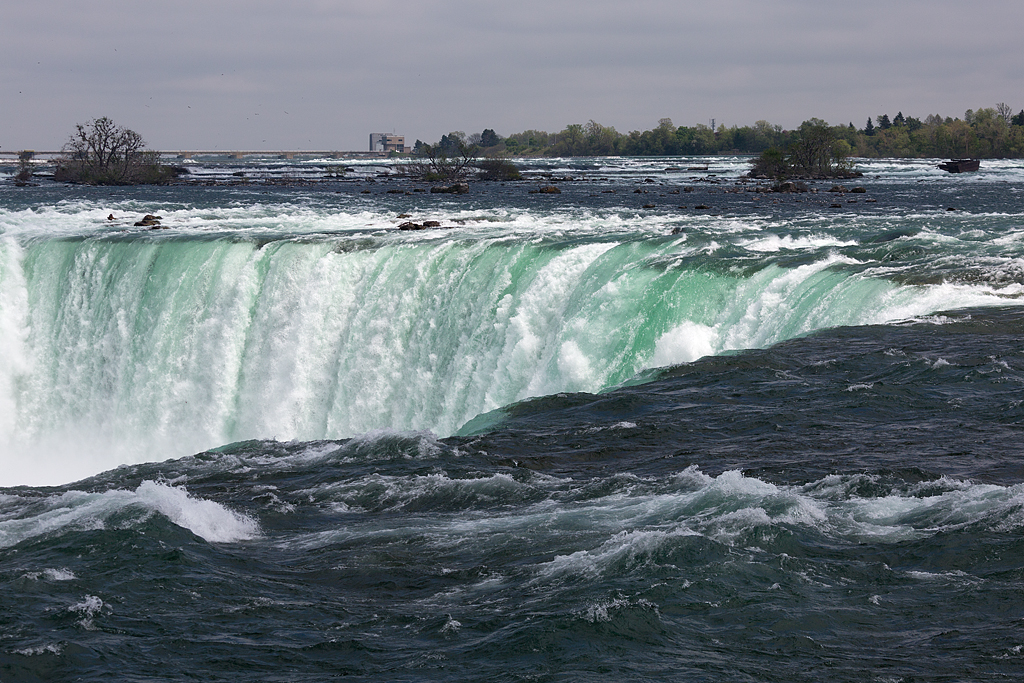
(899, 120)
(870, 128)
(883, 122)
(489, 138)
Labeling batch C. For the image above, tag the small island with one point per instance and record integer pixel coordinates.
(101, 152)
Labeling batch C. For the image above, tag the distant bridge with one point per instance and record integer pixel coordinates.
(236, 154)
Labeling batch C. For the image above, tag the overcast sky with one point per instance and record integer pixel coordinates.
(323, 75)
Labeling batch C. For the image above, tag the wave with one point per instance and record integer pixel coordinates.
(77, 511)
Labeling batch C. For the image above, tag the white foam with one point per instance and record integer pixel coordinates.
(52, 575)
(451, 627)
(631, 547)
(725, 509)
(774, 243)
(79, 510)
(88, 608)
(48, 649)
(605, 611)
(684, 343)
(205, 518)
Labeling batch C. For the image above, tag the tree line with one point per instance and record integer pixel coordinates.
(986, 133)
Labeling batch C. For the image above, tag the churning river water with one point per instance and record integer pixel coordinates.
(605, 434)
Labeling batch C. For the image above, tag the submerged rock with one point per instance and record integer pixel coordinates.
(457, 188)
(791, 186)
(409, 225)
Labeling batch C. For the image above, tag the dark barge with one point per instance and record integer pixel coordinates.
(960, 165)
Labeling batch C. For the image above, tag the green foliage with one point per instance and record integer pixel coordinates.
(570, 142)
(982, 133)
(600, 140)
(771, 164)
(529, 143)
(816, 151)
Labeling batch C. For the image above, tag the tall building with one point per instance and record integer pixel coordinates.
(387, 142)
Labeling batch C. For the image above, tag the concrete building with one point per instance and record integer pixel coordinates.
(387, 142)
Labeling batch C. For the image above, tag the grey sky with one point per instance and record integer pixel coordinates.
(316, 74)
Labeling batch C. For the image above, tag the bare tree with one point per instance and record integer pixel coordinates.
(450, 159)
(1005, 112)
(24, 174)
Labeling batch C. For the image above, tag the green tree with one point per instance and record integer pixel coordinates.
(570, 142)
(489, 138)
(703, 139)
(453, 144)
(767, 134)
(816, 151)
(893, 142)
(600, 140)
(956, 139)
(991, 131)
(771, 164)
